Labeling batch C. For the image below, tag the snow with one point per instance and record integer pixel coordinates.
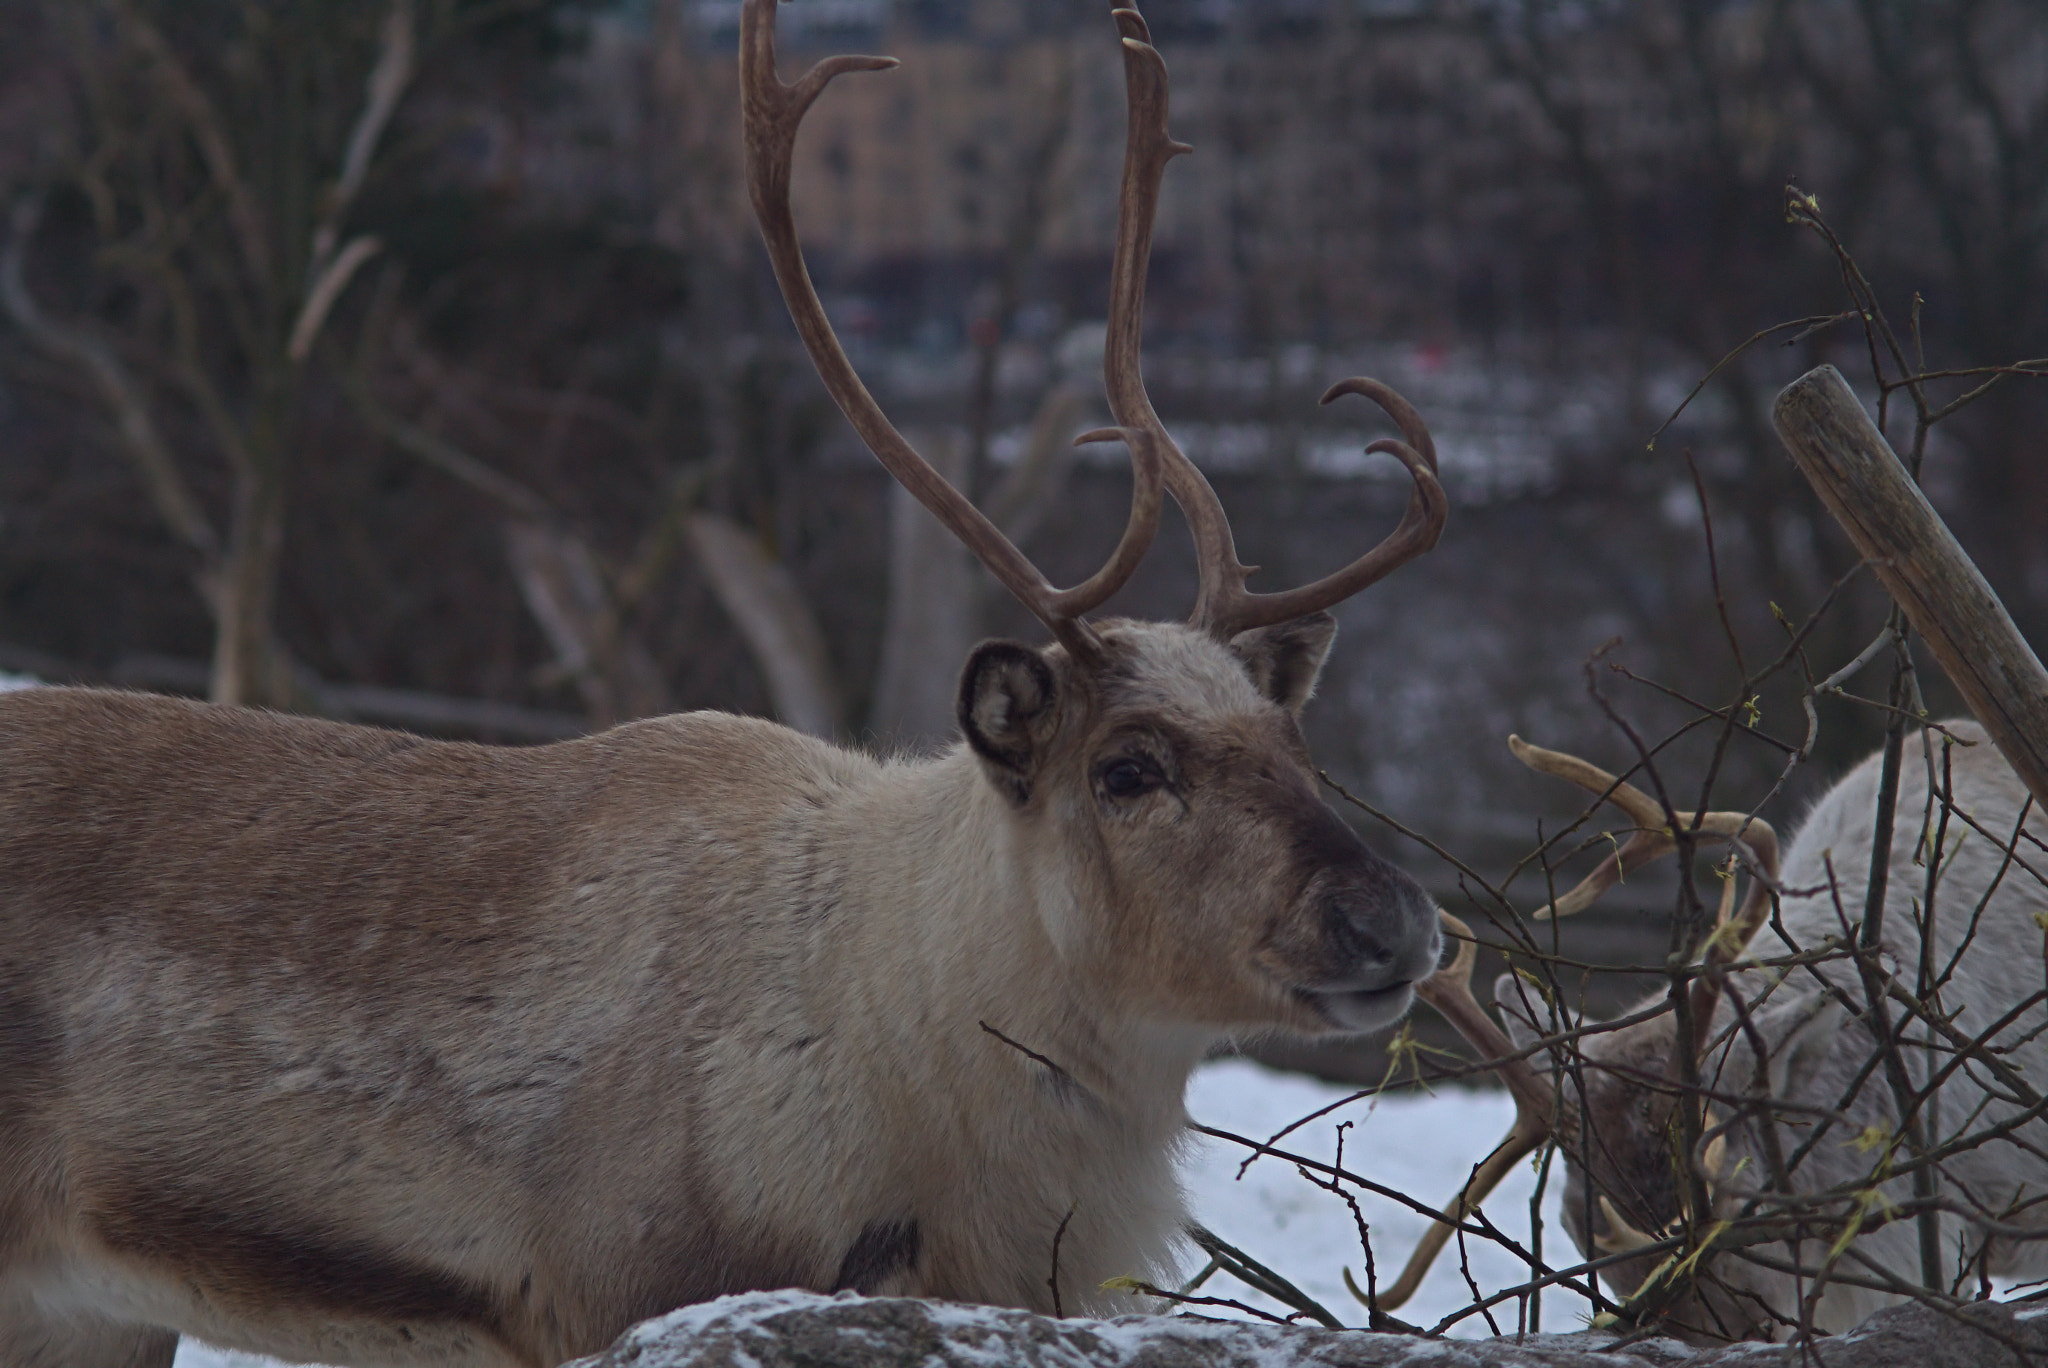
(1420, 1144)
(988, 1336)
(192, 1354)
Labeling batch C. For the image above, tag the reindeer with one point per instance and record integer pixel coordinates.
(338, 1044)
(1742, 1167)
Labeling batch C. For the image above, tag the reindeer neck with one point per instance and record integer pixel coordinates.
(972, 926)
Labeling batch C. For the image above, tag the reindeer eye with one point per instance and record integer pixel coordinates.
(1125, 778)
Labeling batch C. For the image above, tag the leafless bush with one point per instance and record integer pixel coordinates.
(1840, 1098)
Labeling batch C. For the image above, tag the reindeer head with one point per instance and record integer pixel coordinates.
(1233, 895)
(1640, 1170)
(1637, 1191)
(1164, 758)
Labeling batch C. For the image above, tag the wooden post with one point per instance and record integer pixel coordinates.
(1861, 480)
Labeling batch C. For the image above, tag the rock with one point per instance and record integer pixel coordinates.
(806, 1330)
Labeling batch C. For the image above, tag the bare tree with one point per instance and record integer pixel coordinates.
(223, 206)
(1836, 1100)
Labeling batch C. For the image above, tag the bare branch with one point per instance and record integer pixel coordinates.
(763, 601)
(386, 86)
(208, 130)
(140, 438)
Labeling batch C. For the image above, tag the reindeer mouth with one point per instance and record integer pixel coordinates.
(1358, 1009)
(1382, 966)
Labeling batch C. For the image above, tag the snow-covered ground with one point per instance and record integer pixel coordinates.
(1421, 1145)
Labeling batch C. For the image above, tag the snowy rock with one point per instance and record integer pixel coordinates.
(805, 1330)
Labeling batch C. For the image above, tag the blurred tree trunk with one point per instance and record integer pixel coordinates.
(937, 589)
(200, 175)
(932, 617)
(249, 665)
(762, 598)
(567, 593)
(934, 606)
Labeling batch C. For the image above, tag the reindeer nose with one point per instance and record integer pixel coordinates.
(1388, 934)
(1350, 922)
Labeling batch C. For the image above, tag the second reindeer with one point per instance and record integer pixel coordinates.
(1836, 1107)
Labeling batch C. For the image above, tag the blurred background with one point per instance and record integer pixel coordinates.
(417, 362)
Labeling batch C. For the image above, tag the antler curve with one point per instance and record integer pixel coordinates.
(772, 112)
(1652, 839)
(1223, 607)
(1449, 990)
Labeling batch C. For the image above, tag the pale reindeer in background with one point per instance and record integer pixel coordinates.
(1796, 1105)
(337, 1044)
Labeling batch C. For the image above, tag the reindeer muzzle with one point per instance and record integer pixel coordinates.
(1380, 939)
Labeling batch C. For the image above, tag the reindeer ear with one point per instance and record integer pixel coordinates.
(1285, 659)
(1008, 710)
(1523, 1013)
(1800, 1035)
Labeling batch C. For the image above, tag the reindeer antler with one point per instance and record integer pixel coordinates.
(1652, 839)
(1449, 990)
(772, 112)
(1223, 607)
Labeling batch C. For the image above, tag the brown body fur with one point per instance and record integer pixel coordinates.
(338, 1044)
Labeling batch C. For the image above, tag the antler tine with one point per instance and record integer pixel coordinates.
(1732, 934)
(772, 113)
(1148, 147)
(1421, 524)
(1652, 838)
(1449, 990)
(1223, 607)
(1520, 1143)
